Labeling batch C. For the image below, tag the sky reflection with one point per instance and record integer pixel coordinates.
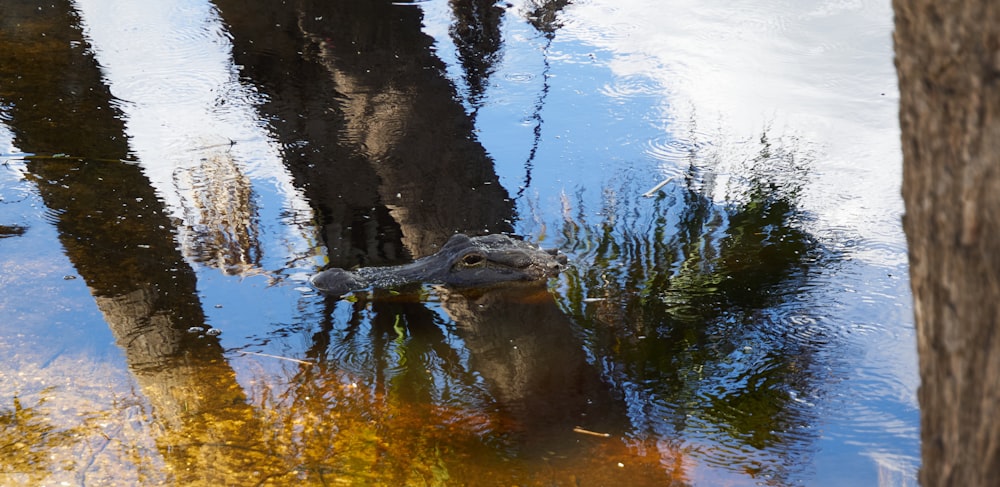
(194, 129)
(746, 322)
(696, 84)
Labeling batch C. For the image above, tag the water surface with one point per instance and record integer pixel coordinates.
(723, 177)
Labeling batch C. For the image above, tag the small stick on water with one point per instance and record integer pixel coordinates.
(591, 433)
(277, 357)
(230, 144)
(652, 192)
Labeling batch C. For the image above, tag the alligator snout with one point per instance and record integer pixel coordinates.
(461, 262)
(556, 264)
(561, 258)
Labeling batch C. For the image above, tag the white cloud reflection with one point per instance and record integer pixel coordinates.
(192, 126)
(821, 70)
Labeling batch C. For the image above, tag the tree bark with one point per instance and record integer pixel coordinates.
(948, 62)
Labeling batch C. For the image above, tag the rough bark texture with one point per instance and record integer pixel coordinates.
(948, 60)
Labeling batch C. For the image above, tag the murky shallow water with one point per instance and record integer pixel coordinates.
(172, 175)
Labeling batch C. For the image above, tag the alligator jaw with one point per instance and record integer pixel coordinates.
(338, 282)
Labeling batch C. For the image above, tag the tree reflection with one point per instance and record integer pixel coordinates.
(543, 15)
(692, 305)
(226, 234)
(372, 130)
(119, 239)
(445, 388)
(476, 33)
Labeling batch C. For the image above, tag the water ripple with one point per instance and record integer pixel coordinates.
(632, 86)
(183, 69)
(521, 77)
(669, 149)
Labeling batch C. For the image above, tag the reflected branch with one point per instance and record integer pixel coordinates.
(543, 18)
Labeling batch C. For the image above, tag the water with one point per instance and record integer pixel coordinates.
(724, 178)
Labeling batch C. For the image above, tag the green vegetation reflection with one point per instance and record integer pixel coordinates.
(688, 302)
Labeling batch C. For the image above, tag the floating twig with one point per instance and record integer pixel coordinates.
(277, 357)
(591, 433)
(652, 192)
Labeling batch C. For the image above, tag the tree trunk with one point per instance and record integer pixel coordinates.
(948, 61)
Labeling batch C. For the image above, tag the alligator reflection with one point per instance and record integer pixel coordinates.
(526, 350)
(706, 319)
(500, 384)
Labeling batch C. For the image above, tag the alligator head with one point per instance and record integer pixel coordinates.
(462, 262)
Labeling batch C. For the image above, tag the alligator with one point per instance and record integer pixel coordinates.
(463, 262)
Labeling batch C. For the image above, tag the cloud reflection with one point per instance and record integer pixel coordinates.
(193, 127)
(819, 69)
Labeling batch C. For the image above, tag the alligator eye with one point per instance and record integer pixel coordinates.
(473, 260)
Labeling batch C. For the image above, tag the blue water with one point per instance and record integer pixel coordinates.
(746, 323)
